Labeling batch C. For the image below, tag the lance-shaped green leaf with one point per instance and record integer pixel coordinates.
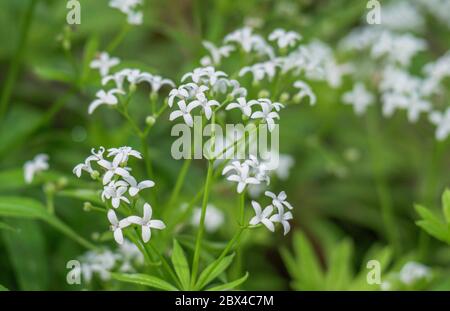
(230, 285)
(144, 279)
(181, 265)
(213, 271)
(19, 207)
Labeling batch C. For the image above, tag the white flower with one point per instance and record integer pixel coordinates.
(414, 271)
(124, 5)
(118, 78)
(359, 97)
(442, 122)
(241, 176)
(86, 166)
(204, 75)
(104, 63)
(392, 101)
(283, 219)
(261, 70)
(242, 36)
(122, 154)
(284, 38)
(216, 53)
(416, 105)
(180, 93)
(115, 191)
(157, 82)
(38, 164)
(259, 170)
(136, 187)
(105, 98)
(205, 104)
(185, 112)
(135, 18)
(111, 170)
(267, 115)
(214, 218)
(244, 105)
(117, 226)
(262, 216)
(279, 201)
(305, 91)
(273, 105)
(146, 222)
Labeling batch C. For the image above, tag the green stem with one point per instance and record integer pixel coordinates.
(118, 38)
(201, 228)
(146, 155)
(17, 59)
(179, 183)
(241, 208)
(165, 265)
(382, 188)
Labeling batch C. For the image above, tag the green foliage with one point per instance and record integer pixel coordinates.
(144, 279)
(337, 272)
(433, 224)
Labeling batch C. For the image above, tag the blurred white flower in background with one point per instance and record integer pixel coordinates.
(214, 218)
(104, 63)
(38, 164)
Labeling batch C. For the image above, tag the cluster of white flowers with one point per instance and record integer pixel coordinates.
(131, 8)
(411, 273)
(399, 89)
(133, 77)
(247, 172)
(38, 164)
(101, 263)
(117, 182)
(273, 213)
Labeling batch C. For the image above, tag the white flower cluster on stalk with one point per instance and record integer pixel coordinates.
(119, 188)
(124, 81)
(393, 52)
(131, 8)
(279, 211)
(126, 258)
(32, 167)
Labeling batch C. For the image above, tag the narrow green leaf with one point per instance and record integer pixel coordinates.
(82, 195)
(28, 208)
(446, 204)
(143, 279)
(439, 232)
(230, 285)
(181, 265)
(213, 271)
(427, 215)
(339, 267)
(3, 288)
(308, 265)
(27, 253)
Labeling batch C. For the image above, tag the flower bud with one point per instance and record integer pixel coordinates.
(132, 88)
(150, 120)
(264, 94)
(297, 99)
(87, 206)
(49, 188)
(284, 97)
(62, 182)
(95, 175)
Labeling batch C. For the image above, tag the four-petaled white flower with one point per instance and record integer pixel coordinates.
(205, 103)
(135, 187)
(284, 38)
(104, 63)
(267, 115)
(146, 222)
(38, 164)
(241, 177)
(86, 166)
(279, 200)
(283, 218)
(122, 154)
(204, 75)
(156, 82)
(305, 91)
(180, 93)
(105, 98)
(115, 191)
(244, 105)
(185, 112)
(359, 97)
(416, 105)
(261, 70)
(262, 216)
(111, 170)
(216, 53)
(117, 225)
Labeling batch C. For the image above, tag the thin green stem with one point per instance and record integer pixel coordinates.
(118, 38)
(382, 188)
(17, 59)
(201, 228)
(179, 183)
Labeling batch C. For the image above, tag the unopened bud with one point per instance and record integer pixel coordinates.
(150, 120)
(87, 206)
(95, 175)
(284, 97)
(263, 94)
